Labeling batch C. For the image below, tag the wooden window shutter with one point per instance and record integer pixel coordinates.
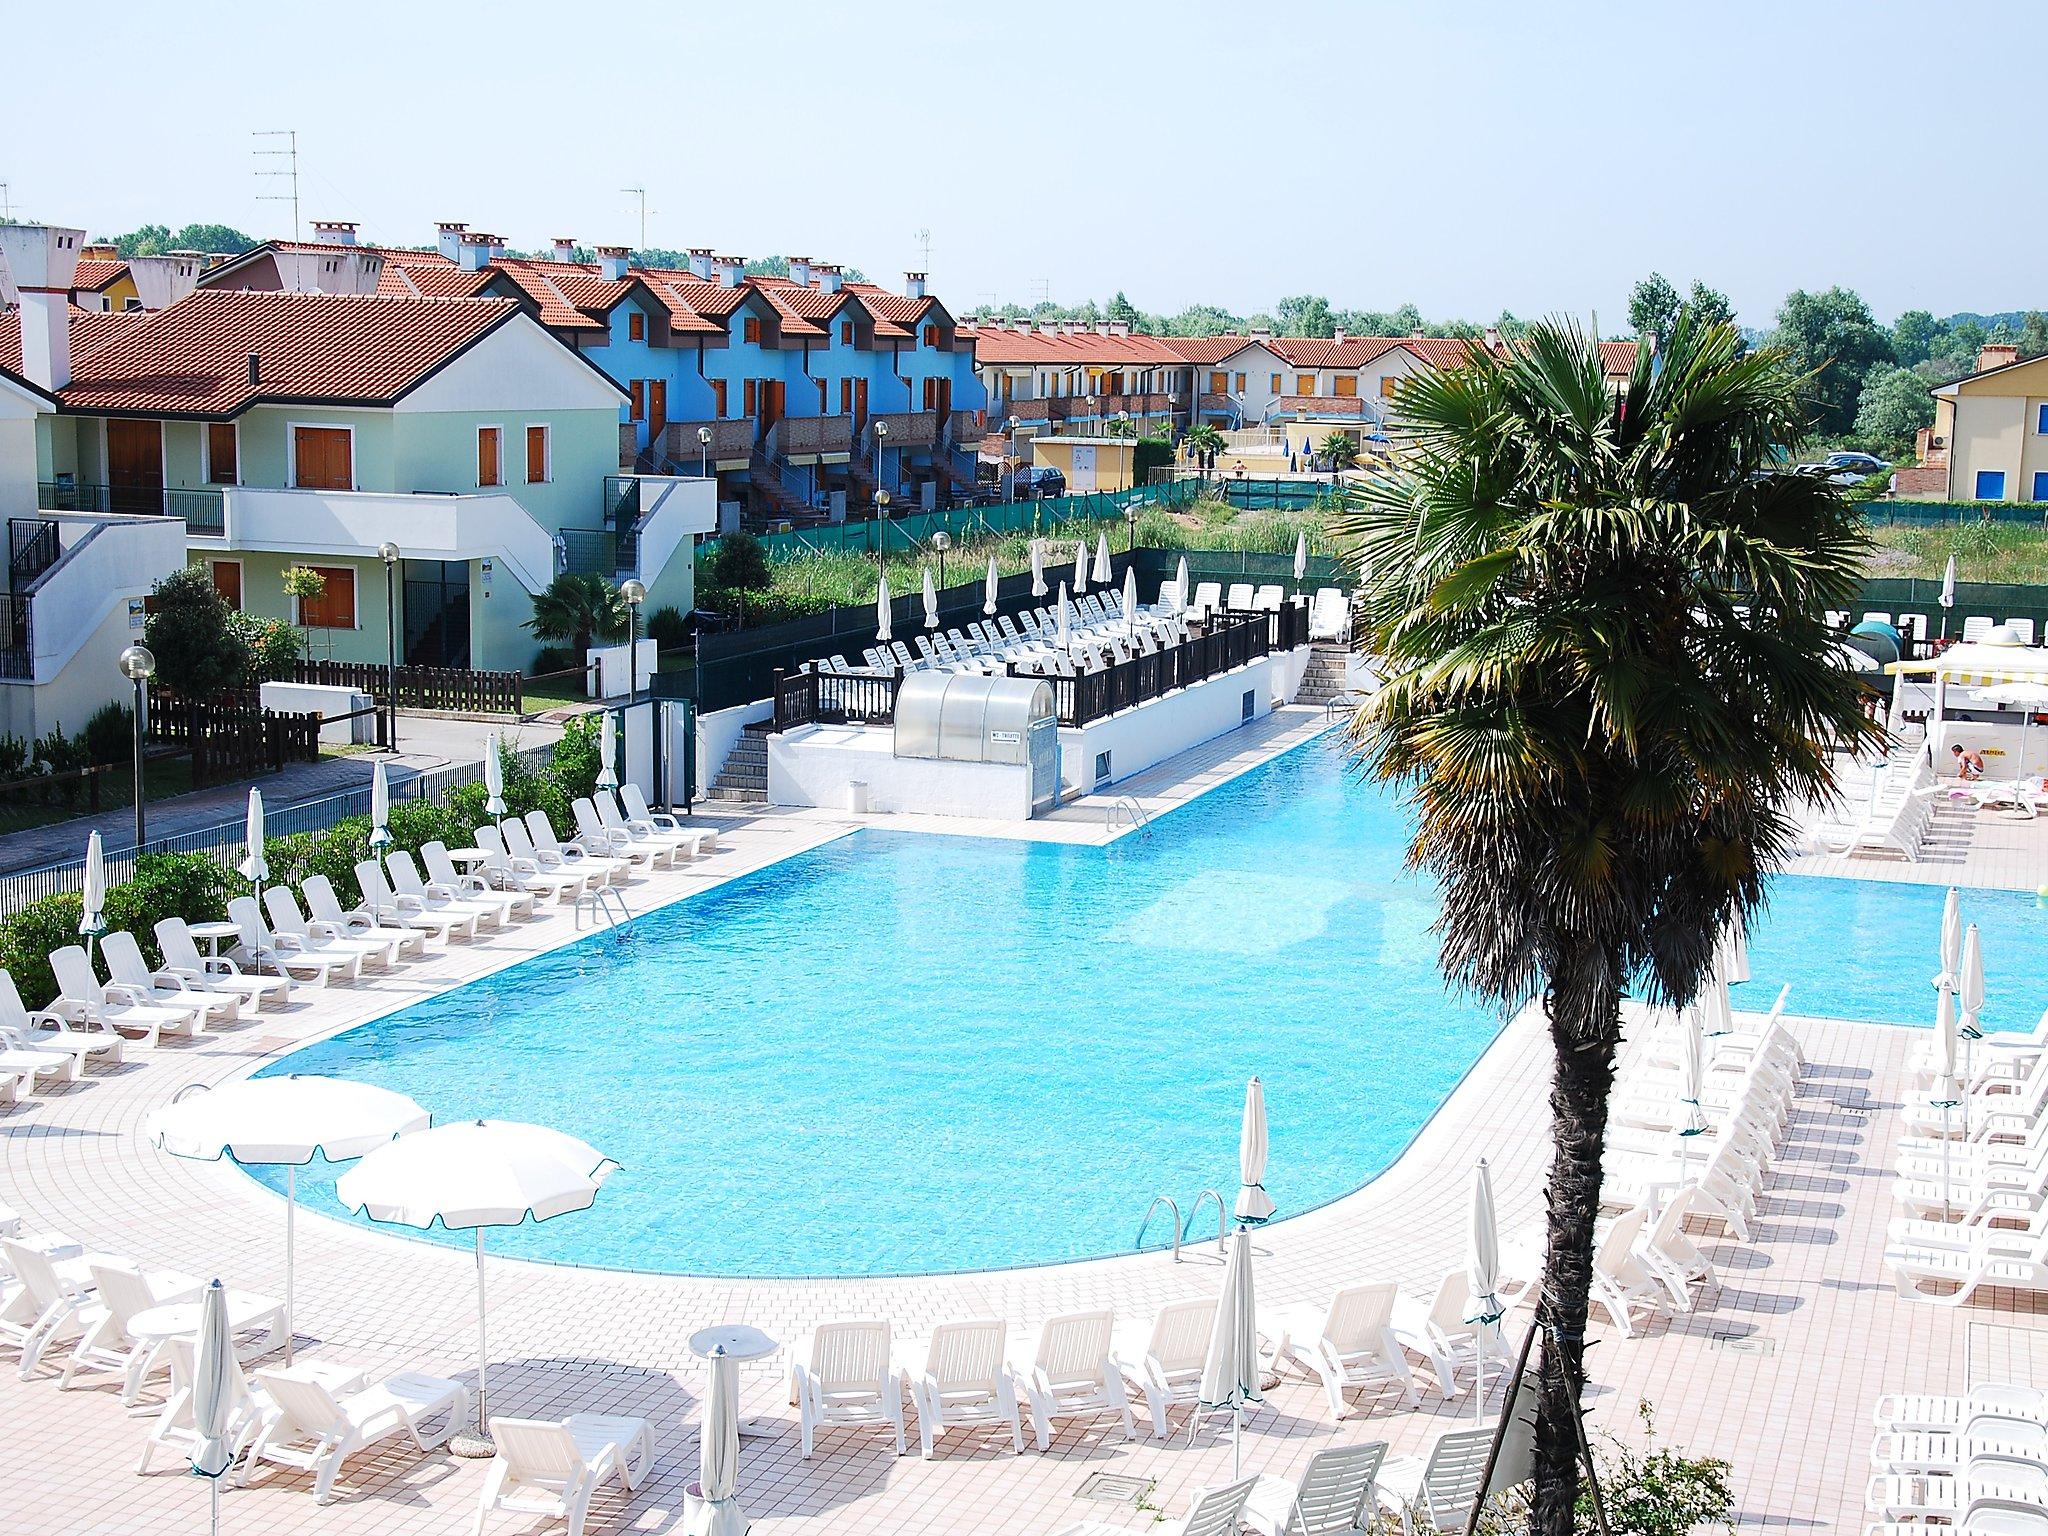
(536, 455)
(636, 326)
(638, 390)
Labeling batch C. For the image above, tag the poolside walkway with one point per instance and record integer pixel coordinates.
(1776, 1371)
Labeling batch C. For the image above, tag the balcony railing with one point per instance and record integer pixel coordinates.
(201, 509)
(810, 436)
(729, 440)
(911, 429)
(17, 637)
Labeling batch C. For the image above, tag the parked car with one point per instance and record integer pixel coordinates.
(1039, 480)
(1847, 468)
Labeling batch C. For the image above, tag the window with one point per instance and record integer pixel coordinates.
(1991, 485)
(1273, 387)
(637, 389)
(1387, 387)
(1219, 383)
(335, 607)
(846, 333)
(536, 455)
(846, 397)
(824, 399)
(2041, 419)
(718, 399)
(323, 458)
(490, 456)
(1240, 383)
(750, 393)
(227, 581)
(2041, 485)
(1304, 384)
(636, 326)
(1346, 385)
(220, 453)
(931, 337)
(750, 328)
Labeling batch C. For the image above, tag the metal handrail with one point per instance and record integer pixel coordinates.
(1157, 1201)
(600, 908)
(1222, 1217)
(1132, 812)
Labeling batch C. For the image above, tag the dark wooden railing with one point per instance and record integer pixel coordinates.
(835, 698)
(463, 690)
(232, 739)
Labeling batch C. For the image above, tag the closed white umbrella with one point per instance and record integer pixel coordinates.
(1038, 567)
(476, 1174)
(1231, 1369)
(1948, 593)
(1716, 1016)
(1483, 1307)
(1180, 586)
(213, 1393)
(608, 752)
(1253, 1203)
(1970, 994)
(882, 611)
(285, 1121)
(931, 601)
(1100, 575)
(989, 587)
(380, 808)
(1691, 1120)
(1066, 629)
(1301, 554)
(1946, 1093)
(1131, 600)
(718, 1454)
(494, 777)
(1733, 959)
(1080, 567)
(92, 911)
(1951, 973)
(253, 867)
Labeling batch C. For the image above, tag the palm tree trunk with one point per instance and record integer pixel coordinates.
(1585, 1026)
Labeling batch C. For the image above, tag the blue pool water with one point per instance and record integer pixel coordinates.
(900, 1053)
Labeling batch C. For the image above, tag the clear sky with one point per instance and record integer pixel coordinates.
(1467, 156)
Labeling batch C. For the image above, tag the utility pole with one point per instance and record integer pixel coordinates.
(290, 169)
(641, 193)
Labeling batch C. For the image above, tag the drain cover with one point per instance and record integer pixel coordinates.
(1109, 1488)
(1741, 1344)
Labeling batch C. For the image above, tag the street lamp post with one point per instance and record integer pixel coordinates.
(1172, 416)
(1015, 423)
(388, 553)
(138, 665)
(942, 541)
(881, 531)
(703, 453)
(881, 443)
(635, 594)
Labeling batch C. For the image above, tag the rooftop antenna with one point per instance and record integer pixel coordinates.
(924, 244)
(290, 156)
(6, 206)
(640, 193)
(1041, 290)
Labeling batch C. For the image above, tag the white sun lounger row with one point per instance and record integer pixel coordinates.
(1978, 1462)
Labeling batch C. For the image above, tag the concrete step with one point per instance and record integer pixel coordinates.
(742, 796)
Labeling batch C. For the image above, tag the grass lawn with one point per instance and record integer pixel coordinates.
(2003, 552)
(163, 777)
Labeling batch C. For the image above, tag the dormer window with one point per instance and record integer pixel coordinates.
(636, 326)
(750, 329)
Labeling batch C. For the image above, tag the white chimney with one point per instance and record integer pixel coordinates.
(565, 248)
(700, 263)
(448, 237)
(1493, 338)
(1119, 327)
(475, 252)
(800, 270)
(334, 232)
(829, 276)
(612, 261)
(730, 270)
(1339, 337)
(1261, 333)
(913, 285)
(160, 281)
(1102, 328)
(1416, 334)
(44, 262)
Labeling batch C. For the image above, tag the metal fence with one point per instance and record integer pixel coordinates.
(1933, 513)
(223, 841)
(1895, 596)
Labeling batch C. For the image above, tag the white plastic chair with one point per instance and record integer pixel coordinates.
(1073, 1375)
(56, 1301)
(1622, 1282)
(1215, 1512)
(1354, 1345)
(511, 871)
(547, 1468)
(447, 880)
(216, 974)
(1169, 1373)
(83, 997)
(1440, 1335)
(617, 842)
(359, 922)
(47, 1030)
(315, 1431)
(406, 881)
(292, 932)
(105, 1348)
(634, 803)
(388, 907)
(849, 1383)
(126, 966)
(524, 842)
(249, 1409)
(1441, 1491)
(260, 947)
(1332, 1499)
(966, 1381)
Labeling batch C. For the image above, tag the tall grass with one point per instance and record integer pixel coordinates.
(2000, 552)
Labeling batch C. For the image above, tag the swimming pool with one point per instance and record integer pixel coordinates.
(899, 1053)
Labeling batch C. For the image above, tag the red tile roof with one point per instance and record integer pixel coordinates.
(1618, 357)
(95, 274)
(1086, 349)
(192, 359)
(91, 329)
(1205, 351)
(430, 280)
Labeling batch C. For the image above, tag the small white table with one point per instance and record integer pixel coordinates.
(467, 855)
(211, 935)
(742, 1342)
(180, 1320)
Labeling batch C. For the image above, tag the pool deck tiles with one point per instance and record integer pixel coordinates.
(1775, 1370)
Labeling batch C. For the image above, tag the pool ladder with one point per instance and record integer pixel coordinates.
(1127, 807)
(1182, 1228)
(602, 912)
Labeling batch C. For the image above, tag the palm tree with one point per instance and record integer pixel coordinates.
(1202, 442)
(1340, 450)
(1120, 426)
(578, 608)
(1604, 615)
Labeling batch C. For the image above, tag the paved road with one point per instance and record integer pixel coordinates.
(424, 744)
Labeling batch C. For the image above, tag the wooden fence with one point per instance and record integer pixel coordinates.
(461, 689)
(233, 740)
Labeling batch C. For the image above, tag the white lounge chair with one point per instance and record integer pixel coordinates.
(1208, 596)
(445, 877)
(1937, 1414)
(105, 1348)
(549, 850)
(510, 872)
(49, 1031)
(1239, 598)
(315, 1431)
(848, 1383)
(249, 1409)
(25, 1064)
(359, 922)
(1269, 598)
(1214, 1512)
(1439, 1333)
(435, 897)
(1169, 1372)
(1075, 1376)
(966, 1381)
(1622, 1283)
(57, 1301)
(551, 1469)
(389, 907)
(703, 839)
(618, 843)
(126, 966)
(1672, 1256)
(1438, 1493)
(1352, 1346)
(260, 947)
(214, 973)
(1329, 616)
(1333, 1498)
(83, 998)
(1995, 1259)
(615, 822)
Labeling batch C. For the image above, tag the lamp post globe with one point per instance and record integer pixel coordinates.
(138, 665)
(942, 541)
(635, 593)
(881, 524)
(389, 553)
(703, 453)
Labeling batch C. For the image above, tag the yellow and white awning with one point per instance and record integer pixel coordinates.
(1977, 665)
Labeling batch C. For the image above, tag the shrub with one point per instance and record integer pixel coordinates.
(28, 937)
(13, 757)
(274, 648)
(574, 763)
(668, 629)
(1659, 1491)
(187, 885)
(109, 736)
(200, 650)
(550, 658)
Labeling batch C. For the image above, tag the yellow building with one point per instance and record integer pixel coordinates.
(1089, 463)
(1991, 430)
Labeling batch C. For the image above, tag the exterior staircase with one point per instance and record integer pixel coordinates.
(744, 775)
(770, 500)
(1324, 679)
